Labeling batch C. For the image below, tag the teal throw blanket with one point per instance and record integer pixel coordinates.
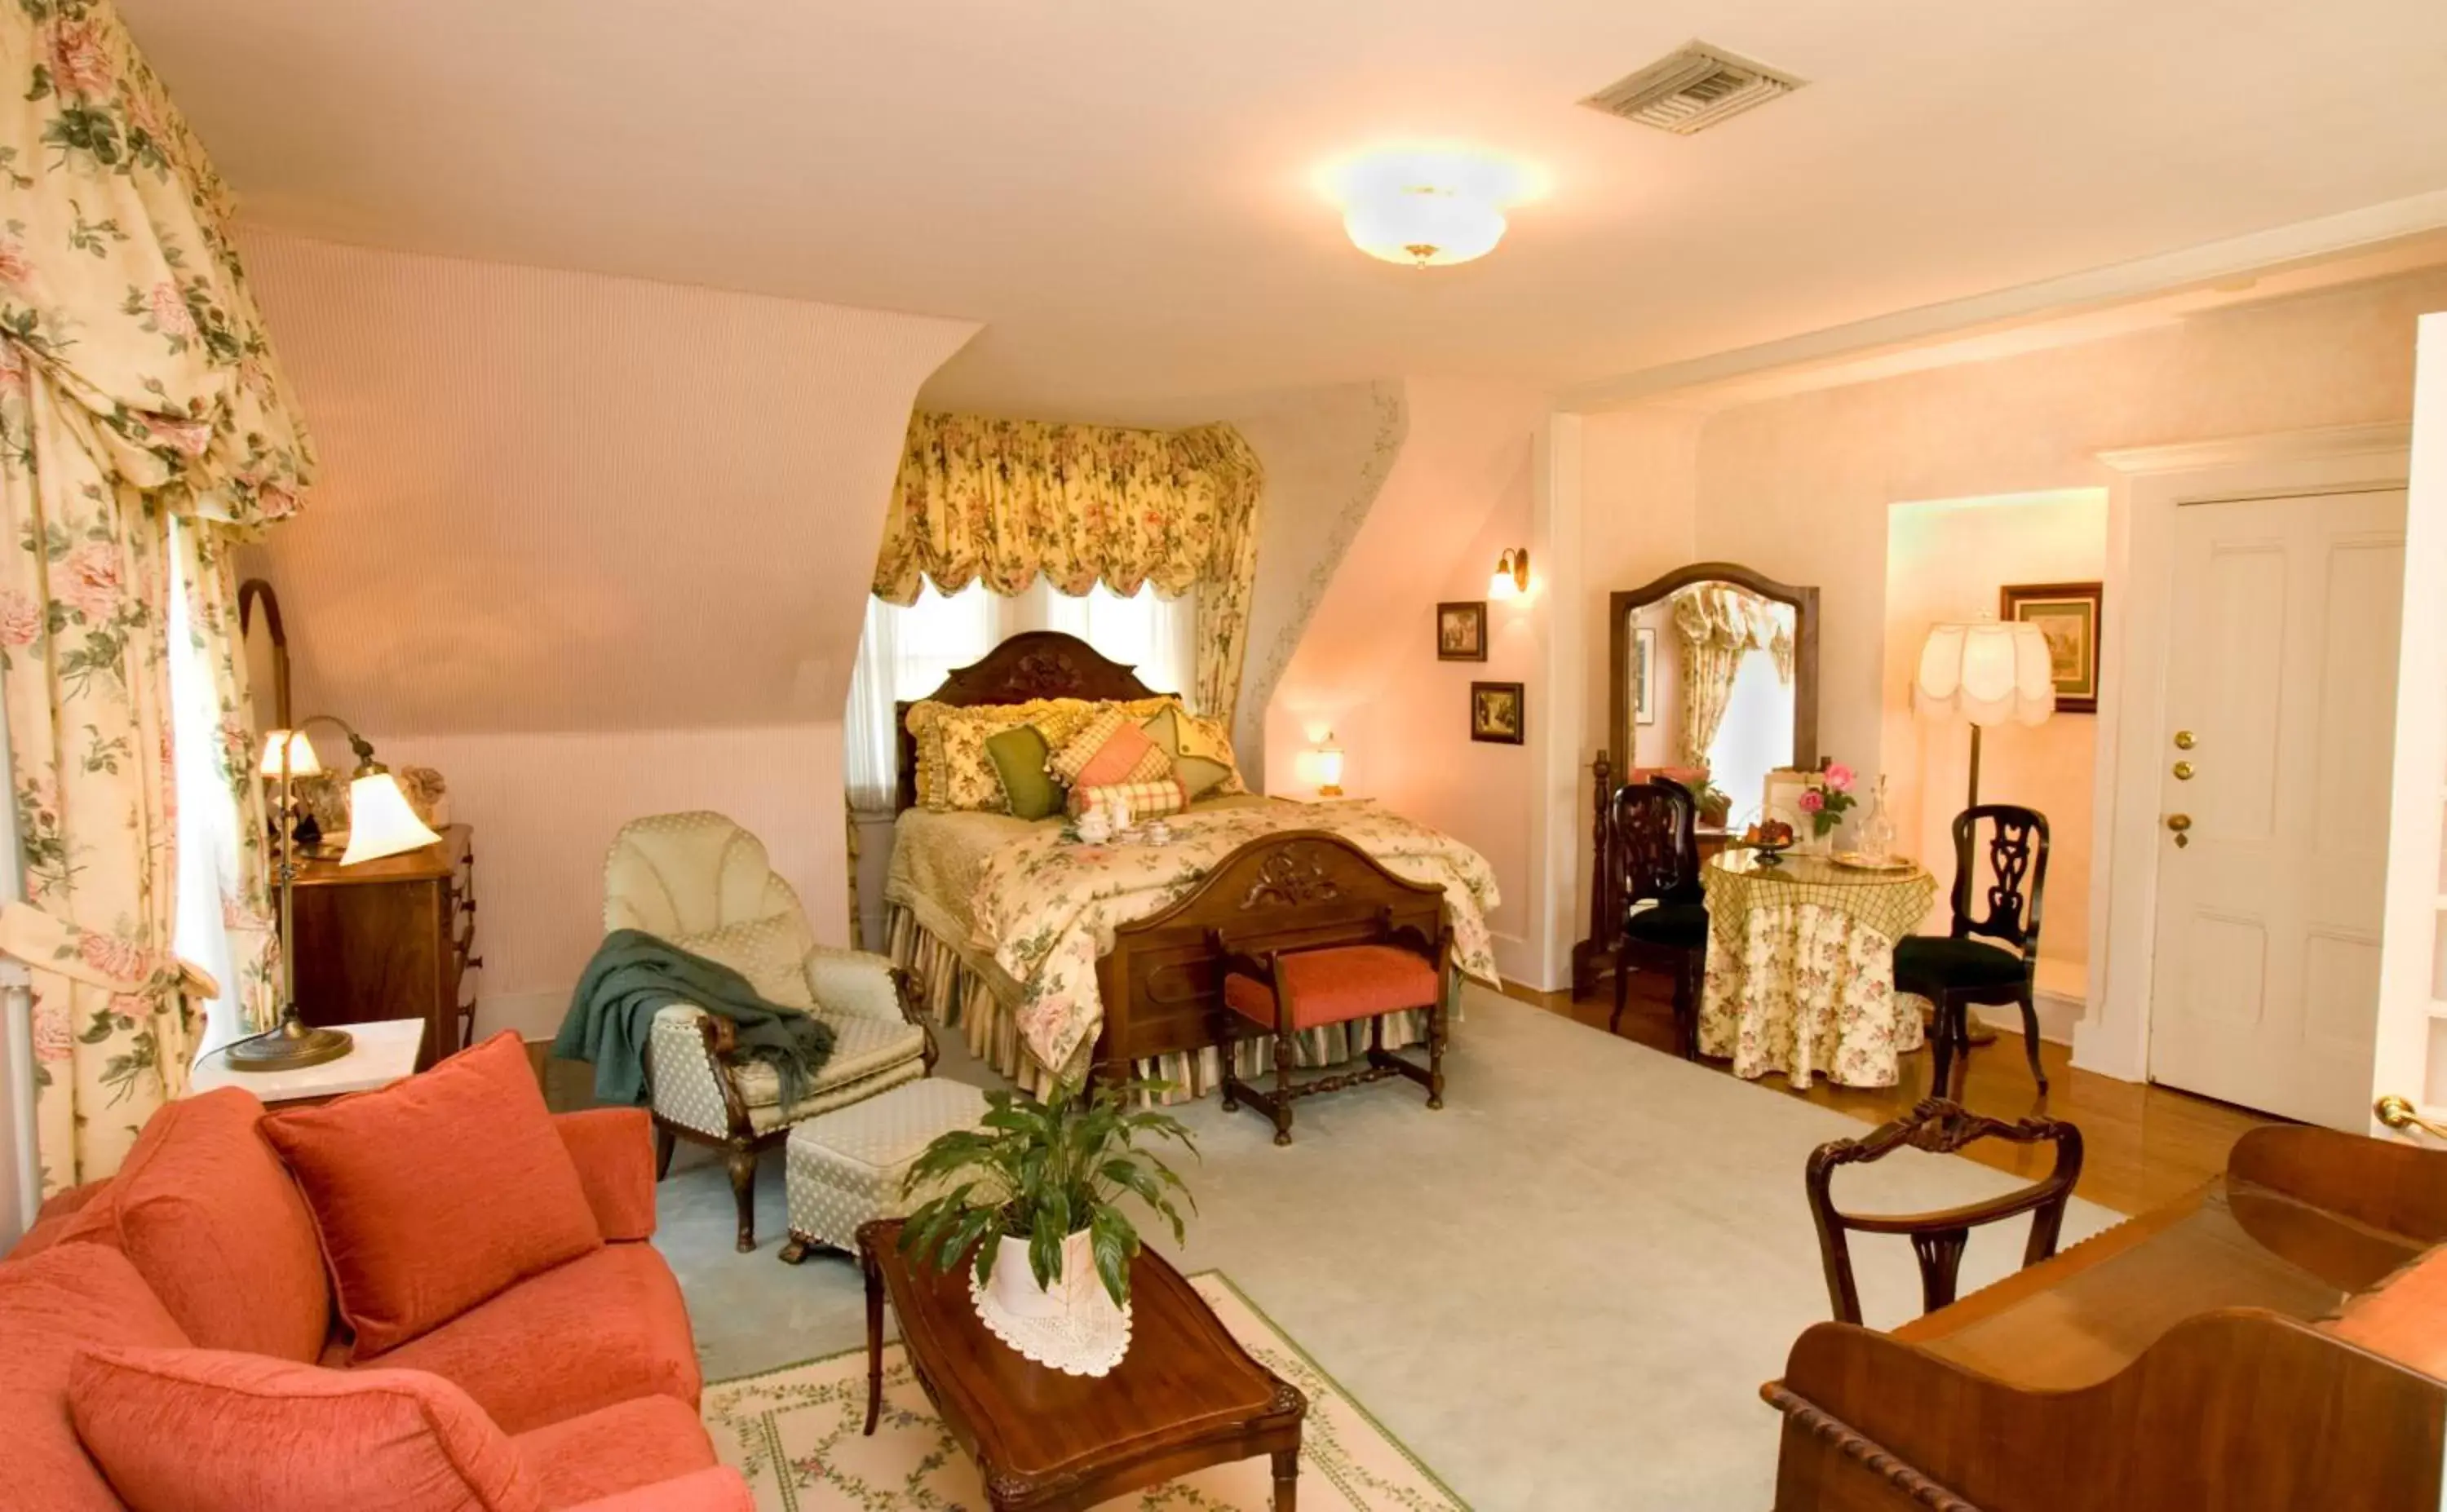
(636, 974)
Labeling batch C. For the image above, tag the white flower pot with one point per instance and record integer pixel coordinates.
(1072, 1326)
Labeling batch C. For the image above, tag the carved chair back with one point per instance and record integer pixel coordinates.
(1655, 840)
(1300, 889)
(1938, 1238)
(2018, 864)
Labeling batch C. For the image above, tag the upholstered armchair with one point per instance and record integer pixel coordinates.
(703, 883)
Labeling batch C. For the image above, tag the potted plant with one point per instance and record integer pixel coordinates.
(1713, 803)
(1030, 1199)
(1826, 803)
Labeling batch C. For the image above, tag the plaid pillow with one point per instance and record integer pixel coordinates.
(1146, 800)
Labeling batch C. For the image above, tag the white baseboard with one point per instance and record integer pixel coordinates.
(2058, 1012)
(533, 1015)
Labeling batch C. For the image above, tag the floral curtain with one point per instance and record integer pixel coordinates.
(1004, 500)
(136, 386)
(1719, 625)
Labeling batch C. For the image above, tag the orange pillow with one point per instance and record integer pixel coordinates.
(438, 1192)
(208, 1430)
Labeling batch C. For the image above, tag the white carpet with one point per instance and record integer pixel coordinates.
(1560, 1292)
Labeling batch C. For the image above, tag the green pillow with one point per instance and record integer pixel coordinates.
(1198, 776)
(1018, 755)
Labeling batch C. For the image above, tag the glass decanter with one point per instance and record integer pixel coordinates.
(1876, 834)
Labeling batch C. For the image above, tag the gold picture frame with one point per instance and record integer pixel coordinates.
(1499, 712)
(2068, 616)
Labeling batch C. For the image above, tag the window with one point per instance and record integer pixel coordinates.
(208, 815)
(903, 655)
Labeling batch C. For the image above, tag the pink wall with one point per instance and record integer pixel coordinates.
(1455, 496)
(1947, 560)
(592, 547)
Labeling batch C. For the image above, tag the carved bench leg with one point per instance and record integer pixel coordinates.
(742, 1163)
(1283, 1102)
(665, 1142)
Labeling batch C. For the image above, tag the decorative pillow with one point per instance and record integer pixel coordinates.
(1146, 800)
(1109, 749)
(437, 1191)
(212, 1430)
(207, 1214)
(54, 1307)
(771, 953)
(1188, 741)
(967, 779)
(1020, 755)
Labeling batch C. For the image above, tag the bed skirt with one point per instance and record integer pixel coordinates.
(969, 993)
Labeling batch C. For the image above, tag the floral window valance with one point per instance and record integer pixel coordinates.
(1004, 501)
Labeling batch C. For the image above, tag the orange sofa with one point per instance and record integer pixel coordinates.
(202, 1241)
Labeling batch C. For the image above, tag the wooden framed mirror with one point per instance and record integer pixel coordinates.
(1726, 731)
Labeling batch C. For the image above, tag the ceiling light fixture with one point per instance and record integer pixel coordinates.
(1427, 209)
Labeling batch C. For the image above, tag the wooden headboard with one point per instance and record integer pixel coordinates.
(1033, 664)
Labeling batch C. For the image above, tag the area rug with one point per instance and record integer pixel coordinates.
(794, 1433)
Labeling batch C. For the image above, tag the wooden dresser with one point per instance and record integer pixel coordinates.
(391, 938)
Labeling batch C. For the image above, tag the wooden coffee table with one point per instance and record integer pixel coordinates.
(1186, 1396)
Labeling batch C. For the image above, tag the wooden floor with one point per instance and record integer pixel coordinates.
(2141, 1145)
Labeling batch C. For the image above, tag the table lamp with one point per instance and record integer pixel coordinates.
(380, 824)
(1329, 768)
(1990, 672)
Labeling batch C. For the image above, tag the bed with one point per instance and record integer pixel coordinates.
(1006, 927)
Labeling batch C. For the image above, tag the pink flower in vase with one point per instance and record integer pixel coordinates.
(1839, 777)
(1812, 800)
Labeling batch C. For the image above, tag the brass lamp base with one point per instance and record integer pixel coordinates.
(288, 1048)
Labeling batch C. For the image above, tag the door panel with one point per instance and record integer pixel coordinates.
(2284, 672)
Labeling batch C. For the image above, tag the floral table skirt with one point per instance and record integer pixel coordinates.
(1810, 993)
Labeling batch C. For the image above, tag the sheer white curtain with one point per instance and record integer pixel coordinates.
(207, 821)
(904, 654)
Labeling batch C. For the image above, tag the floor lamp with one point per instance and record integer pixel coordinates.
(1986, 672)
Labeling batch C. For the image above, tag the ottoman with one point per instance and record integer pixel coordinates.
(845, 1167)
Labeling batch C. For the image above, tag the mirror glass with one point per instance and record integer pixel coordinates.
(267, 657)
(1713, 693)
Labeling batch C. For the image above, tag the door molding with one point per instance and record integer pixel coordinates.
(2151, 483)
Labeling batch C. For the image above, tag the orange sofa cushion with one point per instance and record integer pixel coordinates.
(642, 1442)
(207, 1431)
(2405, 1319)
(613, 1151)
(53, 1307)
(1337, 985)
(437, 1191)
(214, 1224)
(581, 1337)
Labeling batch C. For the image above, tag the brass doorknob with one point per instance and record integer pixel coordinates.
(2399, 1114)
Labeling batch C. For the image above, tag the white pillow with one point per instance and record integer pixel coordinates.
(770, 952)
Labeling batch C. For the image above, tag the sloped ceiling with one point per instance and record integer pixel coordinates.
(1126, 191)
(562, 501)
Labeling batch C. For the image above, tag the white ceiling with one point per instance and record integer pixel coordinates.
(1125, 192)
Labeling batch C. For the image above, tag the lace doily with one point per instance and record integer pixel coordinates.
(1086, 1340)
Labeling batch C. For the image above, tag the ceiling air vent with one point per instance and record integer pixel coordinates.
(1691, 90)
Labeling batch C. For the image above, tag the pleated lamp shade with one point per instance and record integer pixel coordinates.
(1988, 673)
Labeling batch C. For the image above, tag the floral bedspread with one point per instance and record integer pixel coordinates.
(1047, 908)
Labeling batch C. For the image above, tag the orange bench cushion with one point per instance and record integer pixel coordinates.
(1337, 985)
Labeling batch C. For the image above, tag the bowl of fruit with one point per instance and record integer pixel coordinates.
(1769, 838)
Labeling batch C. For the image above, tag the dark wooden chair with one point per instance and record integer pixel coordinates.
(1954, 971)
(1941, 1127)
(1654, 837)
(1310, 931)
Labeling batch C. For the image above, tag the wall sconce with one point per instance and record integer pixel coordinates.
(380, 824)
(1511, 579)
(1329, 768)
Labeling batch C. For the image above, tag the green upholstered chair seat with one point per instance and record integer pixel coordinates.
(1684, 926)
(1947, 962)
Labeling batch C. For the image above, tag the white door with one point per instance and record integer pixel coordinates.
(2274, 800)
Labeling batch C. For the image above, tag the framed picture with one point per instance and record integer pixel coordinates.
(1644, 675)
(1461, 632)
(2067, 614)
(1498, 713)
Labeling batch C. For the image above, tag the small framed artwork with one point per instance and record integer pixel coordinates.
(2067, 614)
(1461, 632)
(1643, 674)
(1498, 713)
